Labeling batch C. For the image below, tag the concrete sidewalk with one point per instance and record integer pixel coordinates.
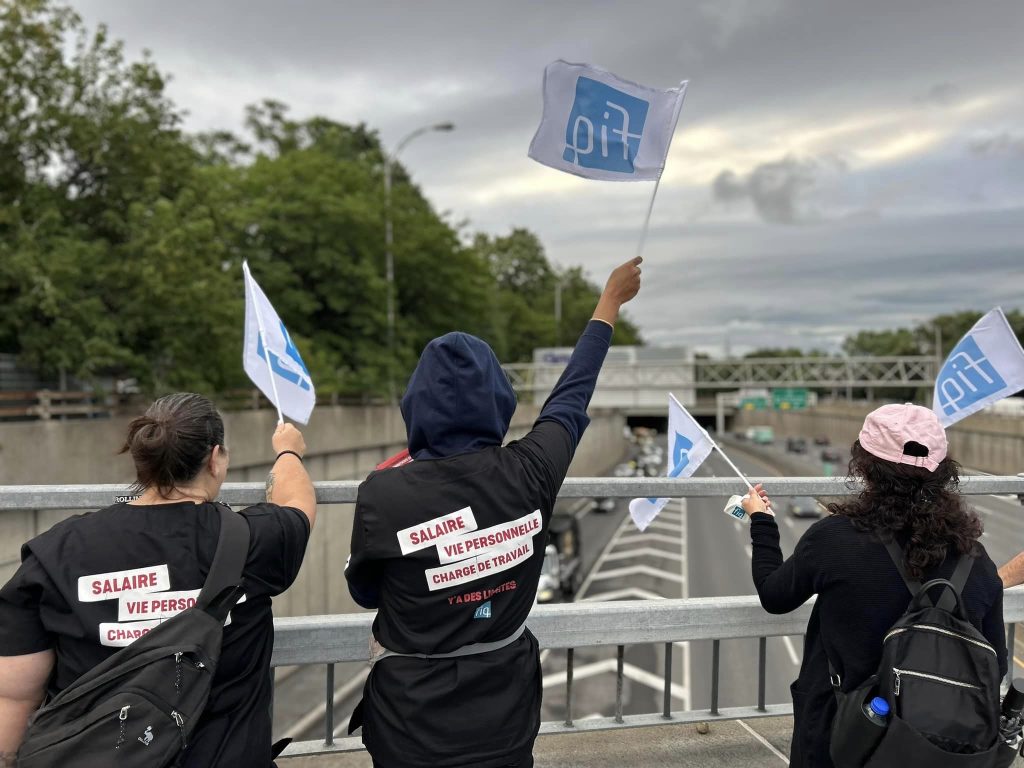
(728, 744)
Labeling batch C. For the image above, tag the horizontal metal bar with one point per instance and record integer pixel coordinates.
(344, 491)
(330, 639)
(549, 728)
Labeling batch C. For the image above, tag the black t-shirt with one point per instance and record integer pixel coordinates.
(95, 582)
(454, 549)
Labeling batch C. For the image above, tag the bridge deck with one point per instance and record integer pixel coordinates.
(728, 744)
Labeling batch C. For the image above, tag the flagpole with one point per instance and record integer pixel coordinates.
(263, 340)
(657, 183)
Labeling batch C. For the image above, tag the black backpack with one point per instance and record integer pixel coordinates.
(139, 706)
(941, 679)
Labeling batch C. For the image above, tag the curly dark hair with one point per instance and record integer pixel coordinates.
(924, 510)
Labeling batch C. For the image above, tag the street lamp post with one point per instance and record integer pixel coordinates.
(389, 257)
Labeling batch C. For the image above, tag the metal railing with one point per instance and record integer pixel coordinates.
(334, 639)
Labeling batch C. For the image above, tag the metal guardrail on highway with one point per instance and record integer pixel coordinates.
(330, 640)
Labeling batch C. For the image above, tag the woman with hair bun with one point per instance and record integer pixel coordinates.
(910, 496)
(96, 582)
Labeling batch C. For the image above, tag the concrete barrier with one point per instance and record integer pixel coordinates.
(344, 443)
(987, 442)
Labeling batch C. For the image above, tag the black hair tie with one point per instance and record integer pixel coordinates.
(284, 453)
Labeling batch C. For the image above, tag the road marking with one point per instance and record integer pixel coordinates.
(582, 508)
(749, 550)
(602, 557)
(622, 594)
(764, 741)
(315, 715)
(791, 650)
(643, 552)
(789, 521)
(684, 519)
(639, 570)
(629, 671)
(737, 525)
(666, 525)
(648, 537)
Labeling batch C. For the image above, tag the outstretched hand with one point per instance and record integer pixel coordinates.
(623, 284)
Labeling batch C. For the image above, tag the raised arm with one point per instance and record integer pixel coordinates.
(288, 484)
(568, 401)
(1012, 573)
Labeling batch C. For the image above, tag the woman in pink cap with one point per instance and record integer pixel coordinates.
(909, 496)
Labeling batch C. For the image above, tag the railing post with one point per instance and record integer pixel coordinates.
(667, 713)
(762, 658)
(1011, 636)
(619, 668)
(568, 687)
(716, 661)
(329, 708)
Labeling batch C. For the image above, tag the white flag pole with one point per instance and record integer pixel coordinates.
(657, 183)
(729, 462)
(263, 340)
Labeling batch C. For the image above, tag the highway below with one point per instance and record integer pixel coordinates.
(691, 550)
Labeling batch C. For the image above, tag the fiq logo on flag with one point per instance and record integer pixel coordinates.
(987, 365)
(271, 358)
(600, 110)
(599, 126)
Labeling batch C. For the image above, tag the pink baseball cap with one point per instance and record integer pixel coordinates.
(888, 429)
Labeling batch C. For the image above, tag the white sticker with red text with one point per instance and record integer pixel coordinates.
(500, 559)
(117, 635)
(488, 540)
(438, 531)
(107, 586)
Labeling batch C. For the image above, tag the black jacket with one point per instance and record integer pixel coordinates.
(860, 596)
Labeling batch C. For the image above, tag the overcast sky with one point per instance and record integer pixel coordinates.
(838, 165)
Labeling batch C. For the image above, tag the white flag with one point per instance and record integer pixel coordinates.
(688, 446)
(987, 365)
(601, 127)
(290, 386)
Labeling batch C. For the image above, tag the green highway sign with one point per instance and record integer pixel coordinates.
(753, 404)
(789, 399)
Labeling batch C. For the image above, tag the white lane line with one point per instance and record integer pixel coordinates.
(789, 521)
(631, 554)
(665, 525)
(639, 570)
(749, 550)
(791, 650)
(581, 508)
(684, 517)
(544, 655)
(610, 666)
(602, 557)
(644, 538)
(629, 593)
(315, 715)
(764, 742)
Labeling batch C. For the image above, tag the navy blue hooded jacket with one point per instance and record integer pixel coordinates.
(449, 548)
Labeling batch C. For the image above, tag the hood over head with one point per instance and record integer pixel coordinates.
(458, 400)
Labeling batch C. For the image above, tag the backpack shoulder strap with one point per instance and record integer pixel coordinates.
(896, 553)
(229, 559)
(959, 580)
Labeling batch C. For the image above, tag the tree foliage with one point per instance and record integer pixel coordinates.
(122, 236)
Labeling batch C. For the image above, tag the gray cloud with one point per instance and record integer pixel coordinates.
(777, 189)
(998, 144)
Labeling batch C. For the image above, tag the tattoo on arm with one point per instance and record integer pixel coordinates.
(270, 492)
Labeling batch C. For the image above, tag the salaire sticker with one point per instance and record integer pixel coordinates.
(438, 531)
(107, 586)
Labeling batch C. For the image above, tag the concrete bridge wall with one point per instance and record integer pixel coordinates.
(991, 443)
(344, 443)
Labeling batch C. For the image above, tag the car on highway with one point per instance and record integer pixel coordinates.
(804, 506)
(796, 444)
(831, 455)
(604, 505)
(762, 435)
(821, 440)
(561, 572)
